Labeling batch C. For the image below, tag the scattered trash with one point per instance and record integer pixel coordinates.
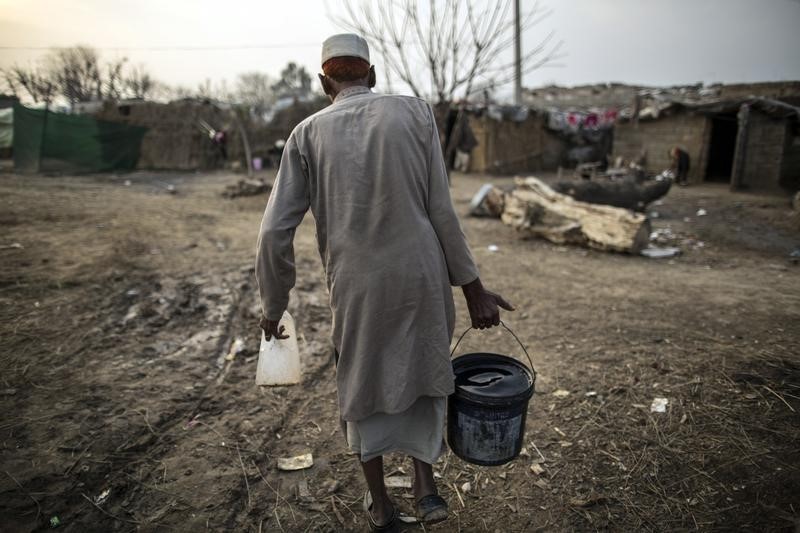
(561, 393)
(246, 187)
(493, 248)
(659, 405)
(591, 394)
(398, 482)
(55, 521)
(663, 236)
(660, 253)
(12, 246)
(466, 487)
(702, 212)
(302, 490)
(131, 293)
(103, 496)
(237, 347)
(298, 462)
(537, 469)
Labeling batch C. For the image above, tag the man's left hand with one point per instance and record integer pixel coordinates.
(272, 328)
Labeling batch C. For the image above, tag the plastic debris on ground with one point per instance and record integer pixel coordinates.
(701, 212)
(103, 496)
(298, 462)
(12, 246)
(663, 236)
(493, 248)
(660, 253)
(561, 393)
(659, 405)
(236, 348)
(537, 469)
(55, 521)
(246, 187)
(476, 205)
(398, 482)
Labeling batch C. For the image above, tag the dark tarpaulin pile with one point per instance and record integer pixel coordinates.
(45, 141)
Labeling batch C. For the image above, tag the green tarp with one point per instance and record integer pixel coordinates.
(56, 142)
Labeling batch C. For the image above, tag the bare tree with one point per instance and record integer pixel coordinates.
(455, 47)
(77, 72)
(37, 83)
(114, 81)
(213, 91)
(295, 80)
(254, 90)
(139, 83)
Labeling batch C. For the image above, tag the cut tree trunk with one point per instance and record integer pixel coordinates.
(623, 193)
(536, 210)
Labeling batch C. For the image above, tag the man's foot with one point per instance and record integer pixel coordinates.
(431, 509)
(382, 514)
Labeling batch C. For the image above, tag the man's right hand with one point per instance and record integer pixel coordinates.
(272, 328)
(483, 305)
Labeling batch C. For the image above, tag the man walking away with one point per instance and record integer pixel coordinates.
(371, 170)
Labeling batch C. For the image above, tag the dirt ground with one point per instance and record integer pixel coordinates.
(120, 411)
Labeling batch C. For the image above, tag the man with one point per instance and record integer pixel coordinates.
(371, 169)
(680, 165)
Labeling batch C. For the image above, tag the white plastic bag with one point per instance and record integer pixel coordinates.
(279, 360)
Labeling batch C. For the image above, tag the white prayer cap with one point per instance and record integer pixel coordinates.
(345, 44)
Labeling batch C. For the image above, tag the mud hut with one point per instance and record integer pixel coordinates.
(750, 143)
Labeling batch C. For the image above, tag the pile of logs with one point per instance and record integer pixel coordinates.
(536, 210)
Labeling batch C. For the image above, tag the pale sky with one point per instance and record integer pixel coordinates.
(651, 42)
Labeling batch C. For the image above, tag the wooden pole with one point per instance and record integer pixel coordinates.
(517, 56)
(740, 153)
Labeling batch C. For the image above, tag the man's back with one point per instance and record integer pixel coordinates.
(368, 161)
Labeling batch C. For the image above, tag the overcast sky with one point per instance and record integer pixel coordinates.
(653, 42)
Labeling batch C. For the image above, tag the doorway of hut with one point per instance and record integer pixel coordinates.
(724, 129)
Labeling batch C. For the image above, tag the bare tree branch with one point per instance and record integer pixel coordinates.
(448, 46)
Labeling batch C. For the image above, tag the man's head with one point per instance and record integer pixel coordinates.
(345, 63)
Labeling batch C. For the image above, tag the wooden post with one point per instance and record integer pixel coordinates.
(740, 154)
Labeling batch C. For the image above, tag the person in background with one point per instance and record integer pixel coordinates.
(680, 165)
(370, 168)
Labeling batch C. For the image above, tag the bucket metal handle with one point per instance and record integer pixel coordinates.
(512, 334)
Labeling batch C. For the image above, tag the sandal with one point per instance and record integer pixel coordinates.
(389, 526)
(431, 509)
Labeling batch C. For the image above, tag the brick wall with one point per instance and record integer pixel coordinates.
(766, 142)
(657, 137)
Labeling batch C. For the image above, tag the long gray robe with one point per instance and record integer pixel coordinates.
(370, 167)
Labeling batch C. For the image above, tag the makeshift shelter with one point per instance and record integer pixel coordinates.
(751, 143)
(177, 139)
(514, 140)
(45, 141)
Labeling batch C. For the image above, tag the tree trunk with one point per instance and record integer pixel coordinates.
(536, 210)
(623, 193)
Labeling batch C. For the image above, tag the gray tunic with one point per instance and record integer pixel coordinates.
(370, 167)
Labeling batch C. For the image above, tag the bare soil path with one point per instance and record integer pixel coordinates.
(121, 413)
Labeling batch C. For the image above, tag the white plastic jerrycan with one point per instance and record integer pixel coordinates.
(279, 359)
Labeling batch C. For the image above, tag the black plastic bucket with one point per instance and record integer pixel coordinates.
(486, 413)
